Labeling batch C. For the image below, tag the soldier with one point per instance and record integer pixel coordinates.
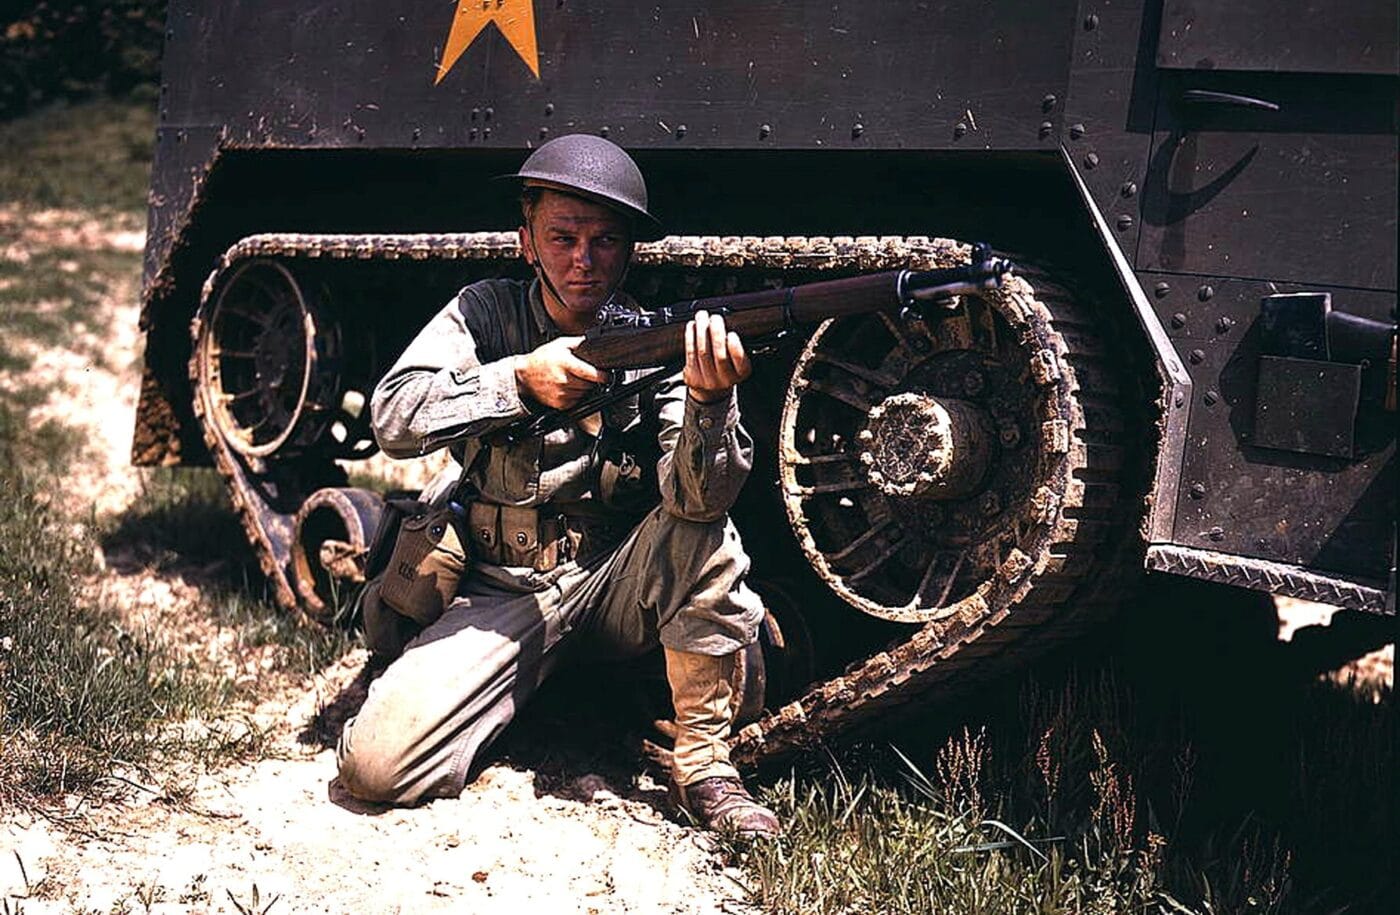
(557, 560)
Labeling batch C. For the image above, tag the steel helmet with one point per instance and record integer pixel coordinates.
(595, 169)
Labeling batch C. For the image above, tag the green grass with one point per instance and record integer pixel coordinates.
(93, 156)
(79, 690)
(184, 520)
(1092, 795)
(50, 299)
(83, 694)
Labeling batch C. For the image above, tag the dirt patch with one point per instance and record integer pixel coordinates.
(284, 826)
(195, 840)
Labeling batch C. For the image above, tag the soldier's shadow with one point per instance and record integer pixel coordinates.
(582, 735)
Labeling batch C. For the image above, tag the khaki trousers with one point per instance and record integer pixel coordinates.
(460, 682)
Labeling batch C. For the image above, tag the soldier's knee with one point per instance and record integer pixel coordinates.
(700, 554)
(371, 770)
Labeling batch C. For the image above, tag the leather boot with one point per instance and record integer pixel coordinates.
(703, 781)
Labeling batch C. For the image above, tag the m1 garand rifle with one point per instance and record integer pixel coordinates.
(625, 338)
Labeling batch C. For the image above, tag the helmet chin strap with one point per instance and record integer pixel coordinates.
(538, 266)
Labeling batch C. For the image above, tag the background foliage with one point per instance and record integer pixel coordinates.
(69, 50)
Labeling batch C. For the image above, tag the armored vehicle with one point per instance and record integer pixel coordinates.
(1192, 370)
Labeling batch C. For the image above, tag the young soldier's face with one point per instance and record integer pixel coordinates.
(583, 247)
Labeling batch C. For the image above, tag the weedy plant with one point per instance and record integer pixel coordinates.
(255, 904)
(1084, 798)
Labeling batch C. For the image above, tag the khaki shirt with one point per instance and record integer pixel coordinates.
(456, 382)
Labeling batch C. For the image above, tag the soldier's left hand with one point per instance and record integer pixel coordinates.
(715, 360)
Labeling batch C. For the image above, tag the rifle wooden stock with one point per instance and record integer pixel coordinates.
(658, 337)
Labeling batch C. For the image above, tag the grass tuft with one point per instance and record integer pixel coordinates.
(1082, 796)
(80, 692)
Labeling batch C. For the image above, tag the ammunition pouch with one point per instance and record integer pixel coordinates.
(533, 537)
(415, 563)
(426, 565)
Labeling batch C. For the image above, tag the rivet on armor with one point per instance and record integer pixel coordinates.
(856, 130)
(680, 131)
(1224, 324)
(417, 132)
(1047, 104)
(1205, 292)
(1129, 189)
(476, 113)
(471, 134)
(1198, 490)
(548, 109)
(1046, 128)
(604, 131)
(1091, 160)
(485, 534)
(1179, 400)
(1210, 398)
(1161, 289)
(521, 538)
(1125, 222)
(763, 131)
(1197, 356)
(1076, 131)
(1178, 320)
(960, 129)
(486, 133)
(1009, 434)
(544, 133)
(489, 112)
(1091, 22)
(1217, 534)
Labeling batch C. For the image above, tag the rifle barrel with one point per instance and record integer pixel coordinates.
(658, 337)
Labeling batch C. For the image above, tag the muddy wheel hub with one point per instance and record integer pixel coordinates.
(917, 445)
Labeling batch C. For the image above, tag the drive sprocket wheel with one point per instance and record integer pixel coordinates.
(959, 472)
(932, 469)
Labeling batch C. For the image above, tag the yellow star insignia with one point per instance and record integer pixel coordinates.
(514, 18)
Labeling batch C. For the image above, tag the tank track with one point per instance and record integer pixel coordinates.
(1032, 613)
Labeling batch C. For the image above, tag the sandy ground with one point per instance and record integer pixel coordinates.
(196, 842)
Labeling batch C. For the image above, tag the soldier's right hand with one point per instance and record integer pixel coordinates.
(553, 376)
